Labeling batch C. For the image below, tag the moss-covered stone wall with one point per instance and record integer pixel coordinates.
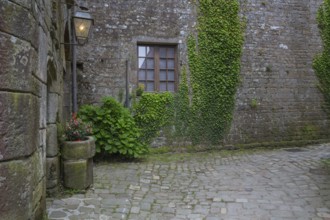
(31, 73)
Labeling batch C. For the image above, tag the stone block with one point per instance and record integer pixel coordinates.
(42, 138)
(18, 21)
(52, 143)
(69, 2)
(43, 107)
(15, 193)
(42, 56)
(60, 109)
(53, 192)
(38, 195)
(52, 107)
(20, 197)
(53, 76)
(23, 3)
(16, 63)
(19, 125)
(36, 86)
(78, 174)
(37, 167)
(52, 172)
(40, 209)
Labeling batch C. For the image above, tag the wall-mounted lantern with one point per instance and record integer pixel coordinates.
(82, 24)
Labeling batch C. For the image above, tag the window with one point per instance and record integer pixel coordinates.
(157, 68)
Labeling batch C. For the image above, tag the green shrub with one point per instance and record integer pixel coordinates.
(114, 129)
(153, 112)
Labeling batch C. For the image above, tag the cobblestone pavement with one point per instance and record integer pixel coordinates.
(278, 184)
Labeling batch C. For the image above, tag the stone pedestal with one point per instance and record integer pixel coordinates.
(77, 163)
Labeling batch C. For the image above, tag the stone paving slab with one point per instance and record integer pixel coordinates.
(267, 185)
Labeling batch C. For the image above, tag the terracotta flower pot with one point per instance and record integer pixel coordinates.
(77, 163)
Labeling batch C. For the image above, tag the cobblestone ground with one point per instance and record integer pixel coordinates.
(279, 184)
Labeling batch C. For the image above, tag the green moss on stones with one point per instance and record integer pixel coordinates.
(309, 132)
(17, 100)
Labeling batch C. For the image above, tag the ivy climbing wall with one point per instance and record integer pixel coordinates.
(214, 63)
(278, 99)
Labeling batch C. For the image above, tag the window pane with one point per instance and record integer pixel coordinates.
(150, 64)
(162, 86)
(142, 63)
(150, 52)
(162, 52)
(162, 75)
(150, 86)
(170, 75)
(170, 86)
(150, 75)
(142, 51)
(170, 52)
(170, 64)
(162, 64)
(142, 75)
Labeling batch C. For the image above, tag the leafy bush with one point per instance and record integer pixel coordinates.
(114, 129)
(153, 112)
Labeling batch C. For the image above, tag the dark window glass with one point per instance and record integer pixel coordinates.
(157, 67)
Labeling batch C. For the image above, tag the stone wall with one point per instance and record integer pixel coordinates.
(31, 73)
(277, 100)
(119, 26)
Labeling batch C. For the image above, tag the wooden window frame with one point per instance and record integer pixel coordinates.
(157, 59)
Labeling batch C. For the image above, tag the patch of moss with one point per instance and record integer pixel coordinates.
(325, 163)
(195, 153)
(253, 103)
(280, 144)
